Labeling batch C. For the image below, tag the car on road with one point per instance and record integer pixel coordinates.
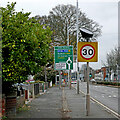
(93, 80)
(73, 81)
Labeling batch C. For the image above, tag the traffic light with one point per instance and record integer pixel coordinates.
(90, 75)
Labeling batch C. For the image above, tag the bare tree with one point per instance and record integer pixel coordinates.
(112, 59)
(62, 19)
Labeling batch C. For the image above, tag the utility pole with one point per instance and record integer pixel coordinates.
(77, 47)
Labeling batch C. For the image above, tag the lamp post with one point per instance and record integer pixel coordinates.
(45, 73)
(86, 34)
(77, 46)
(68, 43)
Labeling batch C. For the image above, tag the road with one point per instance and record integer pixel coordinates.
(104, 94)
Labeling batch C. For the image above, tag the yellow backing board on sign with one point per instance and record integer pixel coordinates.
(87, 51)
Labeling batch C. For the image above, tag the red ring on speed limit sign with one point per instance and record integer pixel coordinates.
(87, 52)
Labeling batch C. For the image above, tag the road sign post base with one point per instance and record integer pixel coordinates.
(87, 105)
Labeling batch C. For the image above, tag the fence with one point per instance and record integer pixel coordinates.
(10, 104)
(36, 88)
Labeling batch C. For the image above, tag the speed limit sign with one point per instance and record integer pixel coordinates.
(87, 51)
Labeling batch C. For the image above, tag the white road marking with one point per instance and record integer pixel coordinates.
(107, 108)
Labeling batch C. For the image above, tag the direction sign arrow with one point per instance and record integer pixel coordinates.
(69, 62)
(63, 56)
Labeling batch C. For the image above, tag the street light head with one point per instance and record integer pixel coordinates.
(86, 33)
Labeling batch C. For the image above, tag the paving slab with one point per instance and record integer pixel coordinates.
(63, 104)
(77, 106)
(48, 105)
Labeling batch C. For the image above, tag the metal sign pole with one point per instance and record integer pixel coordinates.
(88, 95)
(87, 53)
(70, 79)
(59, 79)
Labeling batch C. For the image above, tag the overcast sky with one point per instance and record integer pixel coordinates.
(104, 13)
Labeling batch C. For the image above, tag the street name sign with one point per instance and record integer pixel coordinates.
(63, 57)
(87, 51)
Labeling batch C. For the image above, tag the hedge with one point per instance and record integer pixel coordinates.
(109, 83)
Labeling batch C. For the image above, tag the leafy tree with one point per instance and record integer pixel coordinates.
(0, 25)
(25, 45)
(62, 19)
(0, 43)
(51, 73)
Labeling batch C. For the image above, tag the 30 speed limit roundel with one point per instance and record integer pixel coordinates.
(87, 51)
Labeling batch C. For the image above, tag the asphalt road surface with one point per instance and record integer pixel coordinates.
(104, 94)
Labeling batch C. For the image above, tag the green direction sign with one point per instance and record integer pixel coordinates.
(63, 56)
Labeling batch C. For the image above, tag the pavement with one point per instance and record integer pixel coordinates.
(62, 104)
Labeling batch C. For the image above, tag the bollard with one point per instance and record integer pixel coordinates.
(28, 94)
